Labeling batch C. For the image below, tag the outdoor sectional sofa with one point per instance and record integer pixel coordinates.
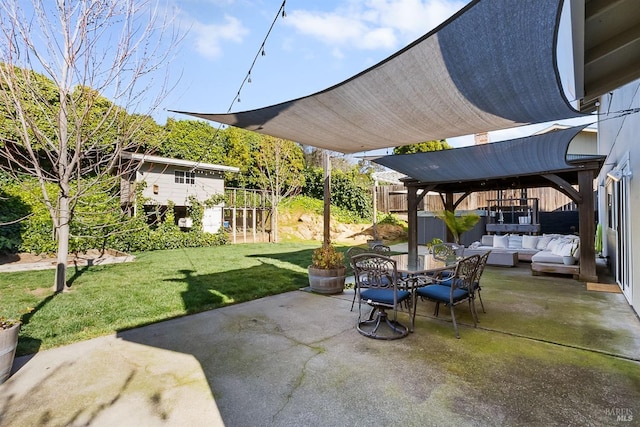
(545, 252)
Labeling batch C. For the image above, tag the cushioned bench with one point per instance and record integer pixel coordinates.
(499, 257)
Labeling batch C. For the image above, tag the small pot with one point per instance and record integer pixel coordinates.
(568, 260)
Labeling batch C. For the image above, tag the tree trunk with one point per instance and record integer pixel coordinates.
(63, 244)
(276, 239)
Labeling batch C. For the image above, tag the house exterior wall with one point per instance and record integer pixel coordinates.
(618, 139)
(162, 188)
(584, 143)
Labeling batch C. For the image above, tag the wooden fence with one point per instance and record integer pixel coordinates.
(393, 199)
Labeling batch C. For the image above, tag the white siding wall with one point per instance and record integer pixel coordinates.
(207, 184)
(584, 143)
(618, 138)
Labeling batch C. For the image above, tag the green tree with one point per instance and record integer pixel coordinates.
(193, 140)
(349, 190)
(239, 147)
(279, 170)
(423, 147)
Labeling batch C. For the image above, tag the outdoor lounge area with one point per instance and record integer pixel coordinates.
(546, 352)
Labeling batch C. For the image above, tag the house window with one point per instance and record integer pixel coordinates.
(182, 177)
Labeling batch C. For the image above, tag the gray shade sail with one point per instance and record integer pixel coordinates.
(491, 66)
(519, 162)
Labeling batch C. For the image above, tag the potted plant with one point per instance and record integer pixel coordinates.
(9, 329)
(458, 224)
(327, 271)
(432, 243)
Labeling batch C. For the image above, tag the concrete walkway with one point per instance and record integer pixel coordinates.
(547, 352)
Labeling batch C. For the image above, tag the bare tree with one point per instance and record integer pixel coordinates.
(279, 163)
(102, 57)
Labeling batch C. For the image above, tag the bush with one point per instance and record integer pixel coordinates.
(98, 224)
(346, 191)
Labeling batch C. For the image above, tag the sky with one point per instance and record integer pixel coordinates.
(318, 44)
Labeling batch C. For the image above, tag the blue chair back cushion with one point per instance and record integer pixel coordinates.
(441, 293)
(383, 296)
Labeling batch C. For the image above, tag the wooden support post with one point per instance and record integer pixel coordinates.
(586, 209)
(254, 223)
(449, 206)
(326, 161)
(233, 223)
(412, 224)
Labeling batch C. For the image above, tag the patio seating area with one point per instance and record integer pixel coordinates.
(546, 352)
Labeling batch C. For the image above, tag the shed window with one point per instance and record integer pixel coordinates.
(182, 177)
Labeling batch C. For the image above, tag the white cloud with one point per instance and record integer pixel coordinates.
(210, 37)
(332, 28)
(373, 24)
(413, 18)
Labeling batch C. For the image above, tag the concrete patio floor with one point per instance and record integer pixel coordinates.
(547, 352)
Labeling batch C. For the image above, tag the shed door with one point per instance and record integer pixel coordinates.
(212, 219)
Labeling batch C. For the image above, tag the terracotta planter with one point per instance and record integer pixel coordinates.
(8, 345)
(327, 281)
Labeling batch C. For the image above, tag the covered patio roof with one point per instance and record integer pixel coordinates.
(519, 163)
(490, 66)
(534, 161)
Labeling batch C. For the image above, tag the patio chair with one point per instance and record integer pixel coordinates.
(476, 281)
(381, 249)
(453, 290)
(447, 252)
(357, 250)
(376, 278)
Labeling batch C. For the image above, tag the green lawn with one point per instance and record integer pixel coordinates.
(158, 285)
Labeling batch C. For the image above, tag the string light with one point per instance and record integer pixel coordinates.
(247, 78)
(261, 52)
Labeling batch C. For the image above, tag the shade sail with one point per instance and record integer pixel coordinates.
(522, 161)
(491, 66)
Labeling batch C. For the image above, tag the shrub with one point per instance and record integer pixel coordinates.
(327, 258)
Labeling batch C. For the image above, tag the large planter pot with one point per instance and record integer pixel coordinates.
(8, 345)
(327, 281)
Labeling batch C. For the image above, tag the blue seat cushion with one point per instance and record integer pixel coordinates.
(441, 293)
(449, 282)
(383, 296)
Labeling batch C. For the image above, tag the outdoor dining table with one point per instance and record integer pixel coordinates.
(417, 274)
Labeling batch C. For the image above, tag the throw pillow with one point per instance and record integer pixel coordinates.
(543, 242)
(487, 240)
(563, 249)
(501, 241)
(515, 241)
(529, 242)
(551, 246)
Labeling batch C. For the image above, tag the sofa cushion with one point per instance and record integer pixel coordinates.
(529, 242)
(551, 246)
(501, 241)
(543, 242)
(563, 248)
(515, 241)
(487, 240)
(546, 256)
